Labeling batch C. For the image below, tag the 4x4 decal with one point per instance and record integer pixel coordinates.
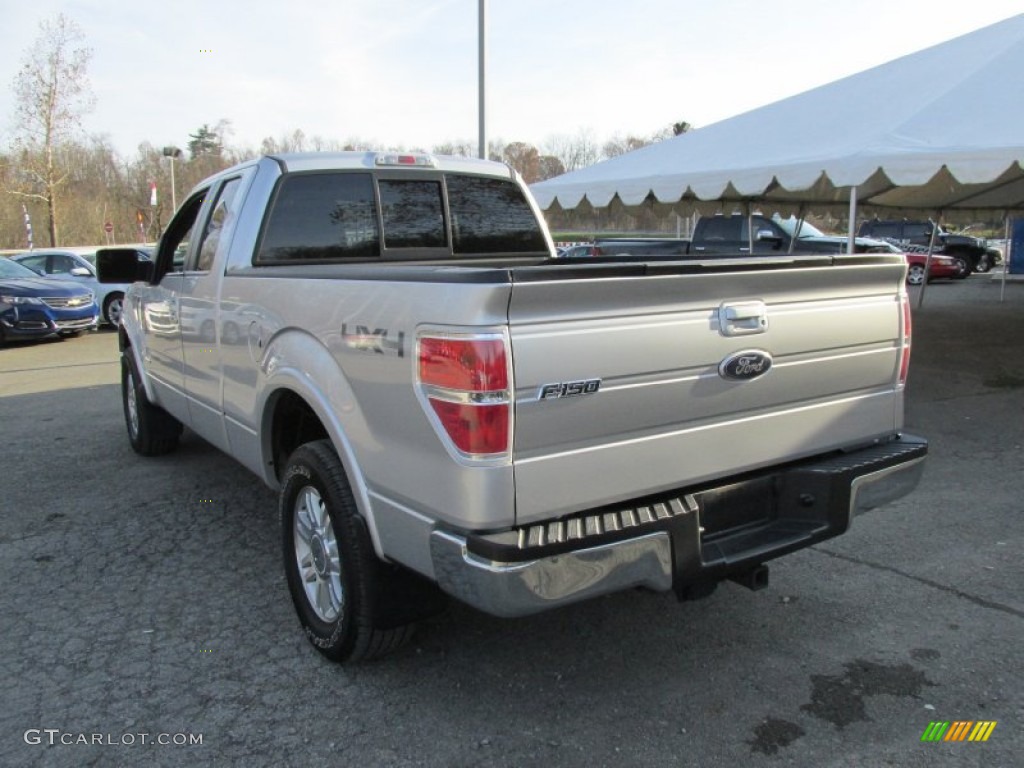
(378, 340)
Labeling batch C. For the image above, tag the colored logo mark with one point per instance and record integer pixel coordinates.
(958, 730)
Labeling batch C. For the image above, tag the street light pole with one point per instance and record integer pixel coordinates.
(482, 151)
(172, 152)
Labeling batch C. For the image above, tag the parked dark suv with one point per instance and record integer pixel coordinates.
(915, 235)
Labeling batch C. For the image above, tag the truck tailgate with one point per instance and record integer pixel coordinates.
(624, 378)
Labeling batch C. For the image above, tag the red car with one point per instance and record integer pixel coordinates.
(941, 266)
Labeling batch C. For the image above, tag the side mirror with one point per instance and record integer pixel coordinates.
(767, 234)
(122, 265)
(80, 272)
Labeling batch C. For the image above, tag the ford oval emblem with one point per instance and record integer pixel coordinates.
(743, 366)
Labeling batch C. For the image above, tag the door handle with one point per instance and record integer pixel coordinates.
(742, 318)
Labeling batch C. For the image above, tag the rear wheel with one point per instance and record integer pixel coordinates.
(915, 275)
(352, 605)
(963, 267)
(151, 430)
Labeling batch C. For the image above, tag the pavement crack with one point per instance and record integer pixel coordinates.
(981, 601)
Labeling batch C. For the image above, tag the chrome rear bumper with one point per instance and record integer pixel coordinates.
(671, 547)
(519, 589)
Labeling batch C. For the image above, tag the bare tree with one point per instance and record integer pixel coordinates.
(574, 152)
(51, 93)
(462, 148)
(619, 145)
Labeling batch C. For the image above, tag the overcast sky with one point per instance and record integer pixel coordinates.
(404, 72)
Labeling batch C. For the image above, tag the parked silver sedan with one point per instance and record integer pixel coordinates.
(79, 267)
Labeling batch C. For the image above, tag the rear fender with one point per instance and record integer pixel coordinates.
(297, 362)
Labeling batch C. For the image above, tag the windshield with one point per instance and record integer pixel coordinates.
(789, 227)
(10, 268)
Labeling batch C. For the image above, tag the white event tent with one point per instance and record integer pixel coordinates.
(937, 131)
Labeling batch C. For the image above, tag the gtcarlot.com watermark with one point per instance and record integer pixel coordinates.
(55, 736)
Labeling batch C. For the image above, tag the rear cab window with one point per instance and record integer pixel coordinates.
(365, 216)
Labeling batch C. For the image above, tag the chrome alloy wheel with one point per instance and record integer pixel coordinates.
(316, 554)
(114, 309)
(133, 405)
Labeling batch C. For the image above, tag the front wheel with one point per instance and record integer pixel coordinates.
(151, 430)
(352, 605)
(112, 307)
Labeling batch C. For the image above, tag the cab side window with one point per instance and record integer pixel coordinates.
(220, 222)
(175, 243)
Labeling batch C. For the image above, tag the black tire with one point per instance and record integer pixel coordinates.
(112, 306)
(915, 274)
(963, 265)
(151, 430)
(984, 263)
(352, 606)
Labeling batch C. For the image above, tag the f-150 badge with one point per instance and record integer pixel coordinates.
(569, 389)
(745, 365)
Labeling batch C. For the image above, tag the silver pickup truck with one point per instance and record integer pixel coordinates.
(445, 407)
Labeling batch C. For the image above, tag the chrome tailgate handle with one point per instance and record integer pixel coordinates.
(742, 318)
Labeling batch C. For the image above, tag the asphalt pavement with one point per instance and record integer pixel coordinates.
(146, 620)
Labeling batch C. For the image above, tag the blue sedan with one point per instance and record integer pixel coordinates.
(79, 268)
(33, 307)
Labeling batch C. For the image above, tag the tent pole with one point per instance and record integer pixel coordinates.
(1006, 256)
(799, 225)
(750, 231)
(853, 219)
(928, 259)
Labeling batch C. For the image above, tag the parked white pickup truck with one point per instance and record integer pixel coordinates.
(390, 341)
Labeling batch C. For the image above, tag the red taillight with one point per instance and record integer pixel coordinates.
(474, 429)
(466, 382)
(468, 365)
(905, 356)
